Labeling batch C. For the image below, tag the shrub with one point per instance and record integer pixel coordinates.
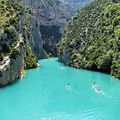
(1, 57)
(6, 48)
(31, 60)
(14, 53)
(2, 8)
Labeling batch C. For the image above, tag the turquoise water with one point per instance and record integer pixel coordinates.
(42, 95)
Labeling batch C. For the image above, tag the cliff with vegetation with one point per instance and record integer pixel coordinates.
(53, 15)
(76, 4)
(29, 30)
(20, 40)
(92, 38)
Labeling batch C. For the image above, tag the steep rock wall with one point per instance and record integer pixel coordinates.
(53, 15)
(11, 68)
(20, 40)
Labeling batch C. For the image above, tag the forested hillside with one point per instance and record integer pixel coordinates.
(76, 4)
(92, 38)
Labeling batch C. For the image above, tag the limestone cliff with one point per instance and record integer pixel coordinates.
(53, 15)
(20, 40)
(76, 4)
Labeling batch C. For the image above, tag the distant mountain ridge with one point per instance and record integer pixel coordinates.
(50, 12)
(76, 4)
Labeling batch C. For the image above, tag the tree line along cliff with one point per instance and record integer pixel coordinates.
(92, 38)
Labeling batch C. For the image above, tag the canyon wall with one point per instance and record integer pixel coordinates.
(92, 38)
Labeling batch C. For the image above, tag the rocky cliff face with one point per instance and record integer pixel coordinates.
(26, 34)
(31, 32)
(76, 4)
(53, 15)
(92, 38)
(20, 40)
(11, 69)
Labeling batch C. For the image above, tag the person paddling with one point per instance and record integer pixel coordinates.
(94, 85)
(67, 85)
(97, 89)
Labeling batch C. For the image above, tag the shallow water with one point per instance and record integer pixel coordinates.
(42, 95)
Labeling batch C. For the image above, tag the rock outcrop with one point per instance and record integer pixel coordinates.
(11, 69)
(20, 40)
(76, 4)
(53, 15)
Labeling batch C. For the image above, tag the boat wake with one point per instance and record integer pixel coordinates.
(73, 90)
(62, 68)
(102, 93)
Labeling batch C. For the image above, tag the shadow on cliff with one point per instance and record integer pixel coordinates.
(50, 34)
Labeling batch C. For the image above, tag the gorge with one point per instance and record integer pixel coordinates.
(59, 59)
(30, 30)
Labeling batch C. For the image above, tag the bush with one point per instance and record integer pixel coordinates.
(2, 8)
(6, 24)
(14, 53)
(6, 48)
(116, 21)
(31, 60)
(12, 20)
(1, 57)
(11, 32)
